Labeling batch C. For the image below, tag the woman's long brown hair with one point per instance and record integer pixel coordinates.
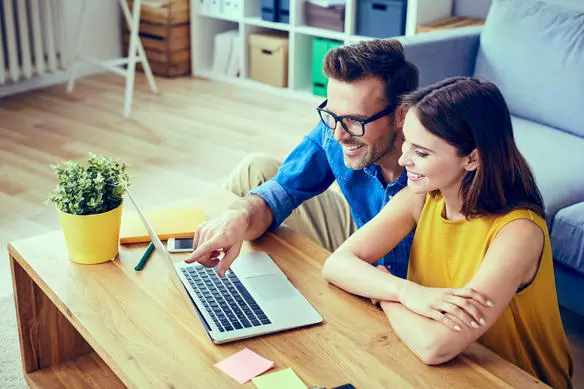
(470, 114)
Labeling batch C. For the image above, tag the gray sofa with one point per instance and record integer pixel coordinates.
(534, 52)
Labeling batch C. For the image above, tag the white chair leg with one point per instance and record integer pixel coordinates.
(141, 52)
(75, 57)
(146, 66)
(132, 51)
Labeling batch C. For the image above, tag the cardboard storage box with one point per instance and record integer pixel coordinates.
(269, 10)
(269, 58)
(320, 46)
(331, 18)
(284, 11)
(381, 18)
(275, 10)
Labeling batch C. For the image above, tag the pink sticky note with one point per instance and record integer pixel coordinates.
(244, 365)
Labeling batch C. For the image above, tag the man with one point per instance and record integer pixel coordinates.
(356, 143)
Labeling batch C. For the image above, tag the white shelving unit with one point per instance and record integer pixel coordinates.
(205, 24)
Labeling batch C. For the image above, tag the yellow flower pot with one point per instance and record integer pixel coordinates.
(92, 239)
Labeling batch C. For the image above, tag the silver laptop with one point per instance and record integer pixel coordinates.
(253, 298)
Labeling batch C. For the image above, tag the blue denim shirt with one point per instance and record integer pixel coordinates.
(312, 167)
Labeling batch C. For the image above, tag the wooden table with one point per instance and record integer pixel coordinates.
(108, 326)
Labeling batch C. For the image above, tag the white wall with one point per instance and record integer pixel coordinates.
(102, 33)
(480, 8)
(472, 8)
(101, 39)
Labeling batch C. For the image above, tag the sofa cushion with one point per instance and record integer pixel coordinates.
(556, 159)
(534, 52)
(568, 237)
(573, 4)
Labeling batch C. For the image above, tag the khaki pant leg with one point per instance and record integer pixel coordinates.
(326, 218)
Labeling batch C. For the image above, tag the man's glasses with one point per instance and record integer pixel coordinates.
(354, 126)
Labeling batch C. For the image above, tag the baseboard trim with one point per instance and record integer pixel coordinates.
(46, 80)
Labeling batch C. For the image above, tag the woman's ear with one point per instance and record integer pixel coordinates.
(472, 161)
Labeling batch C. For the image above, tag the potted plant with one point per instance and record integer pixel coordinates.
(88, 200)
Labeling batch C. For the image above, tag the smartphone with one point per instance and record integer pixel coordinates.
(179, 245)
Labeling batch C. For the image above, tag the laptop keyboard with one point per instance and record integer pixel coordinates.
(226, 300)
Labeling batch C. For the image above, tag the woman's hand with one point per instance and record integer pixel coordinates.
(455, 308)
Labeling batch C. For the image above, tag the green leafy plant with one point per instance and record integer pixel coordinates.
(92, 189)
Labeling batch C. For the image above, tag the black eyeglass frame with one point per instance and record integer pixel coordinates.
(384, 112)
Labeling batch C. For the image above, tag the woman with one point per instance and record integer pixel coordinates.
(479, 224)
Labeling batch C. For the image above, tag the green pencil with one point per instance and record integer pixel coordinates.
(145, 257)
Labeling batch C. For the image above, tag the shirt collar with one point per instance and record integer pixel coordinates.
(402, 180)
(371, 170)
(375, 172)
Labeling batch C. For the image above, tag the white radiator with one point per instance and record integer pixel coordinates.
(32, 39)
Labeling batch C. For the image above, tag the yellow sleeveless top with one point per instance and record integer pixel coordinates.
(529, 333)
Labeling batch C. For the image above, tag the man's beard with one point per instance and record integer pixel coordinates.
(372, 154)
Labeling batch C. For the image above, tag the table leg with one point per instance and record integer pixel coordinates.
(47, 338)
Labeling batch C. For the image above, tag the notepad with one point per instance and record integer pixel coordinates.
(283, 379)
(244, 365)
(167, 223)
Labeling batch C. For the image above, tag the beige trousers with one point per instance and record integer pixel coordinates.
(326, 218)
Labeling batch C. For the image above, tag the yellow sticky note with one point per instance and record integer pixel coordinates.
(283, 379)
(175, 222)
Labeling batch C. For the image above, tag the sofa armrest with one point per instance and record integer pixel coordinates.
(443, 54)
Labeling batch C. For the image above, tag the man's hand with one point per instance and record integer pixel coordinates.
(224, 233)
(455, 308)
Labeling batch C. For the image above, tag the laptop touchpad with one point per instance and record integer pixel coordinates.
(271, 287)
(254, 264)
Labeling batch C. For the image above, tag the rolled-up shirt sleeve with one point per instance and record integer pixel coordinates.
(304, 174)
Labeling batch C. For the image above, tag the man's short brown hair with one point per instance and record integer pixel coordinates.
(381, 58)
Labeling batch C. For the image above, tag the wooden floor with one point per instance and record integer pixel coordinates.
(178, 144)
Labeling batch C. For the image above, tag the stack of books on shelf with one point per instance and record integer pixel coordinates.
(227, 54)
(226, 8)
